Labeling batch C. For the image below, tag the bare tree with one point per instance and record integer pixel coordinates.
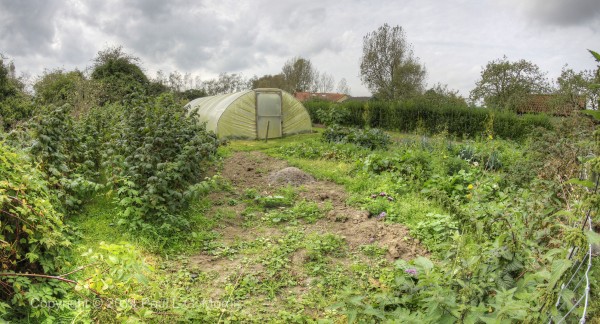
(176, 81)
(343, 87)
(197, 82)
(188, 81)
(161, 78)
(324, 82)
(225, 83)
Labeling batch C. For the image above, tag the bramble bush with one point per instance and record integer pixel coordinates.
(32, 234)
(158, 154)
(59, 149)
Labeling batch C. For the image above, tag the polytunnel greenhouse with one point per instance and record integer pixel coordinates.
(255, 114)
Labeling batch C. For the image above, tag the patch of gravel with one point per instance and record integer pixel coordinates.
(290, 176)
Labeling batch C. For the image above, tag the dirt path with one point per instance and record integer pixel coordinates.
(265, 175)
(252, 170)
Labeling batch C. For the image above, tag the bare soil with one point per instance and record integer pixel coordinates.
(266, 174)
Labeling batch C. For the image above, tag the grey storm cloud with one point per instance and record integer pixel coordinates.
(563, 12)
(212, 35)
(161, 31)
(27, 25)
(193, 35)
(453, 38)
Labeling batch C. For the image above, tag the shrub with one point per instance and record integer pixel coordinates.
(160, 152)
(329, 113)
(57, 147)
(32, 235)
(370, 139)
(424, 115)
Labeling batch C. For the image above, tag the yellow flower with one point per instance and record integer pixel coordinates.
(470, 187)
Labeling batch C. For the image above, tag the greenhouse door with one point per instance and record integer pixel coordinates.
(268, 114)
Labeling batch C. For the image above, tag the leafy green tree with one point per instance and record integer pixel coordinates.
(299, 75)
(268, 81)
(577, 88)
(119, 74)
(388, 66)
(15, 104)
(441, 96)
(505, 84)
(156, 88)
(59, 87)
(192, 94)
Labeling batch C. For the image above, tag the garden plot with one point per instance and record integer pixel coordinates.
(266, 174)
(285, 237)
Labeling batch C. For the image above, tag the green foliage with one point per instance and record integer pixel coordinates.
(369, 139)
(506, 85)
(320, 246)
(159, 154)
(284, 198)
(431, 115)
(302, 210)
(57, 147)
(268, 81)
(118, 74)
(15, 104)
(315, 149)
(299, 74)
(192, 94)
(60, 87)
(388, 66)
(32, 237)
(436, 230)
(410, 165)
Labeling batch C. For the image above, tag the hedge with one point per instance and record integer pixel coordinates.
(427, 116)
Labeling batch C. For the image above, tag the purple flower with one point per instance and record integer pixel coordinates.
(390, 198)
(382, 215)
(411, 271)
(373, 196)
(383, 194)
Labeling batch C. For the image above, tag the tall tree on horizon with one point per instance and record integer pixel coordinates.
(388, 66)
(299, 75)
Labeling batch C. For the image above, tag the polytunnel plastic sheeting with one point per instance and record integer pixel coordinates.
(235, 115)
(211, 109)
(239, 119)
(295, 117)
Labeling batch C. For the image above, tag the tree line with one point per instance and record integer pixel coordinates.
(389, 68)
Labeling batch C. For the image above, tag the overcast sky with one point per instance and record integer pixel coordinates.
(454, 39)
